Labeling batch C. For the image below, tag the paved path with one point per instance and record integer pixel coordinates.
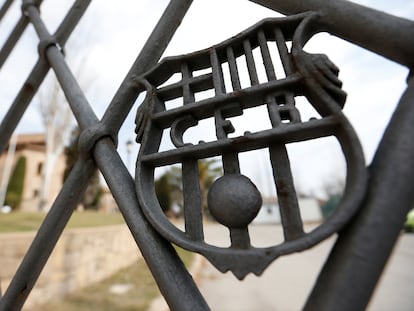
(287, 282)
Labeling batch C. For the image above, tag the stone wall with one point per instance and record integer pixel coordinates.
(81, 257)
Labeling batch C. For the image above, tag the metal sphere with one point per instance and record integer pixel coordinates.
(234, 201)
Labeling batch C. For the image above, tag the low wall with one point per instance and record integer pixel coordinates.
(81, 257)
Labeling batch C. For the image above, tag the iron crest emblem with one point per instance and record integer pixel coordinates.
(233, 199)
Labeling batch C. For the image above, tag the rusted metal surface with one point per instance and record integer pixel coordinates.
(366, 221)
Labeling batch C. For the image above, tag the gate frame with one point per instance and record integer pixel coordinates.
(358, 258)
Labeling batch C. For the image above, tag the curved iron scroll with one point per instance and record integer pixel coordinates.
(233, 199)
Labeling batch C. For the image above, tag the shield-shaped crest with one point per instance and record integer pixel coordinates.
(233, 199)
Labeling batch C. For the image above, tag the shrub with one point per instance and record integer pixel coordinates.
(16, 183)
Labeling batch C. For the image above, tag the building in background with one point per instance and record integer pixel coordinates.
(270, 214)
(32, 147)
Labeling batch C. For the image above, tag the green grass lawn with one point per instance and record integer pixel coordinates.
(20, 222)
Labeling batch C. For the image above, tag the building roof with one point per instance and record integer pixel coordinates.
(30, 142)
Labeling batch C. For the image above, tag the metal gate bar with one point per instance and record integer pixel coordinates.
(362, 249)
(3, 10)
(370, 29)
(38, 73)
(151, 245)
(15, 34)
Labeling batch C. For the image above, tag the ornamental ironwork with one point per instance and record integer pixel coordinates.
(368, 221)
(234, 200)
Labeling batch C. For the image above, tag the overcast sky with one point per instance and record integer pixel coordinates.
(110, 37)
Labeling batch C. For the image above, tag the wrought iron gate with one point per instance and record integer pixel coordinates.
(367, 220)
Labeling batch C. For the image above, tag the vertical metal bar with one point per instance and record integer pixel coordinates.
(234, 73)
(367, 28)
(290, 108)
(174, 281)
(188, 94)
(240, 238)
(273, 111)
(218, 79)
(251, 66)
(191, 185)
(47, 236)
(284, 55)
(230, 160)
(359, 256)
(192, 200)
(155, 46)
(267, 60)
(286, 194)
(231, 163)
(283, 51)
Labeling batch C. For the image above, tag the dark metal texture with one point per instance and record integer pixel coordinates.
(368, 28)
(354, 266)
(37, 75)
(239, 205)
(95, 143)
(367, 220)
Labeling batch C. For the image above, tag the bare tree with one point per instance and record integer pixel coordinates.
(58, 121)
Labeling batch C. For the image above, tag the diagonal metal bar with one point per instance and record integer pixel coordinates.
(152, 51)
(367, 28)
(13, 39)
(47, 236)
(150, 243)
(21, 102)
(73, 92)
(173, 279)
(37, 75)
(358, 258)
(16, 33)
(5, 7)
(111, 165)
(343, 284)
